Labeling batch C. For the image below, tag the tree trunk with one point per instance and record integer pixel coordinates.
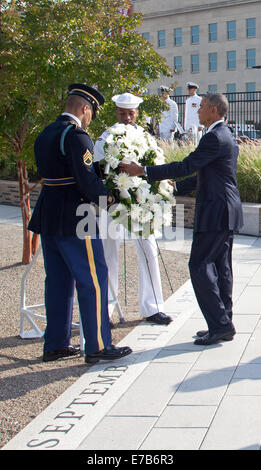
(25, 209)
(30, 243)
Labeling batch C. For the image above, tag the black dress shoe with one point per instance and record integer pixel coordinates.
(201, 333)
(212, 338)
(108, 354)
(58, 353)
(159, 318)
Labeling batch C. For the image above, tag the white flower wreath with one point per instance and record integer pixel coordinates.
(144, 208)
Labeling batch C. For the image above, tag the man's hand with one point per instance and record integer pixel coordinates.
(132, 169)
(173, 184)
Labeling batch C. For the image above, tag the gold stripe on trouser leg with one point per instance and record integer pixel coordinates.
(90, 255)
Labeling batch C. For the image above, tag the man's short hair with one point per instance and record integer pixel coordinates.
(218, 100)
(76, 101)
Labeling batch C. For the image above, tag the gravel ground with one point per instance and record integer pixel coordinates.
(27, 384)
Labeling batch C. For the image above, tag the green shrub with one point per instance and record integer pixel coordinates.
(249, 172)
(8, 168)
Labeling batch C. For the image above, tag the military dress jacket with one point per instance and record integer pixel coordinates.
(170, 117)
(218, 204)
(70, 178)
(191, 112)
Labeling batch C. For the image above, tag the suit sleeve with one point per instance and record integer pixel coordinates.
(78, 148)
(186, 186)
(206, 152)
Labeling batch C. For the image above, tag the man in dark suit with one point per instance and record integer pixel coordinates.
(64, 158)
(218, 214)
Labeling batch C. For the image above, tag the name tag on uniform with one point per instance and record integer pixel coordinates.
(194, 105)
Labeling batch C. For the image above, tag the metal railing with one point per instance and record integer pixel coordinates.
(244, 114)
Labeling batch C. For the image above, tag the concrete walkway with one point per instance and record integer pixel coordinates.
(169, 394)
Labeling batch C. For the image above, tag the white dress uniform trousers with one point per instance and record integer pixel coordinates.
(150, 289)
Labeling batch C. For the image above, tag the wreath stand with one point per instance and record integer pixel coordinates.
(29, 312)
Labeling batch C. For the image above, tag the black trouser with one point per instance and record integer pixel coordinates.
(211, 274)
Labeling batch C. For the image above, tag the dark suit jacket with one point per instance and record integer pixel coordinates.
(218, 205)
(55, 211)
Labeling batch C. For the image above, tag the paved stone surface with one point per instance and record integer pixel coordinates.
(10, 215)
(169, 394)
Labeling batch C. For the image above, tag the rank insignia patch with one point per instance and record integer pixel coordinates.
(87, 158)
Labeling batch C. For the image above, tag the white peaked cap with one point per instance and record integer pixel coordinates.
(127, 101)
(165, 88)
(192, 84)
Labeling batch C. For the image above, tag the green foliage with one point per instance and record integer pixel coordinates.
(47, 44)
(176, 153)
(148, 158)
(248, 167)
(249, 172)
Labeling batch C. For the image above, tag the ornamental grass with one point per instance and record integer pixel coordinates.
(248, 167)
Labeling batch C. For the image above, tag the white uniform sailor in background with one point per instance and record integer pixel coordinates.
(151, 301)
(169, 118)
(192, 123)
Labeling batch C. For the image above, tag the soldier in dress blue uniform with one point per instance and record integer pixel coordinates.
(64, 158)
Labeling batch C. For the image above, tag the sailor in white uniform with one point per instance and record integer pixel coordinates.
(191, 112)
(169, 118)
(151, 301)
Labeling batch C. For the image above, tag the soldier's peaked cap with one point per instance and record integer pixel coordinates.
(89, 93)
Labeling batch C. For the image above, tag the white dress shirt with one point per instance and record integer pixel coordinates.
(74, 117)
(214, 124)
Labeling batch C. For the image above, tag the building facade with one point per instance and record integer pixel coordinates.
(213, 43)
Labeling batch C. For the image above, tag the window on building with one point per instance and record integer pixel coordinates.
(161, 38)
(231, 60)
(178, 36)
(212, 32)
(195, 63)
(194, 34)
(212, 88)
(231, 90)
(146, 36)
(231, 29)
(212, 61)
(251, 27)
(178, 63)
(250, 57)
(251, 88)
